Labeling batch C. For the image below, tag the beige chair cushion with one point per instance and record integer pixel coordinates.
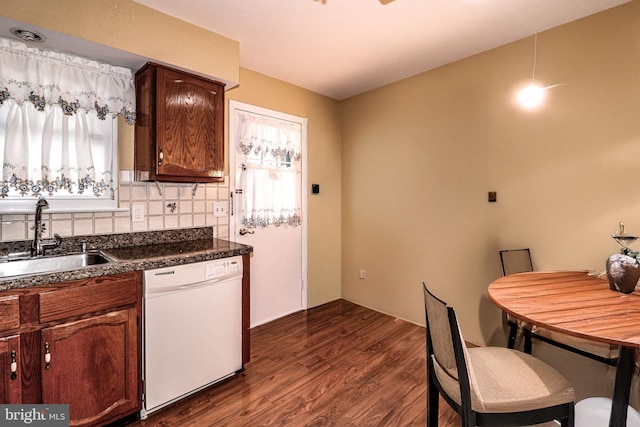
(505, 380)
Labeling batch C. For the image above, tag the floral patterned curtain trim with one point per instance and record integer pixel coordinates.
(265, 218)
(44, 78)
(28, 187)
(269, 139)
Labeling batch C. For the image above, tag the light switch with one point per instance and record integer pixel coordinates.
(219, 209)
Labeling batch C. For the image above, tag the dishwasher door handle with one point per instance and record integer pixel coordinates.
(194, 285)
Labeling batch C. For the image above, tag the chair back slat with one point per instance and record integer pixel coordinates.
(516, 261)
(440, 333)
(449, 349)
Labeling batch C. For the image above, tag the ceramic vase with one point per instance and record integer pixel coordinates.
(623, 273)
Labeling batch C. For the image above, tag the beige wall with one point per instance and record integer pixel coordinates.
(569, 174)
(419, 157)
(128, 26)
(415, 182)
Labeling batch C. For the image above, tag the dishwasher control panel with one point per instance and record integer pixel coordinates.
(223, 267)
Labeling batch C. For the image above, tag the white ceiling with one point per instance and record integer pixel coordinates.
(341, 48)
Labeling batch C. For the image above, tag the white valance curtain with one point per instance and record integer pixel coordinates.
(270, 177)
(52, 104)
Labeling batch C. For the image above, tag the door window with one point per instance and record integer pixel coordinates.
(270, 173)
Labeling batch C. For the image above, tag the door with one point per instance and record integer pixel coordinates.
(278, 262)
(92, 364)
(190, 128)
(10, 386)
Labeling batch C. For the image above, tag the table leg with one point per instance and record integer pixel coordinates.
(622, 387)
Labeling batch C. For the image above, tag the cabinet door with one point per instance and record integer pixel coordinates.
(10, 379)
(189, 125)
(92, 364)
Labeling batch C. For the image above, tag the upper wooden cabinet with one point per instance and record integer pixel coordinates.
(179, 126)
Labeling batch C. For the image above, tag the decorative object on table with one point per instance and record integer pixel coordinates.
(623, 269)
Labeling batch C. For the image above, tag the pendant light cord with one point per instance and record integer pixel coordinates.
(535, 56)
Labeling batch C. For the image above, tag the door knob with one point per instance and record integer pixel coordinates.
(244, 231)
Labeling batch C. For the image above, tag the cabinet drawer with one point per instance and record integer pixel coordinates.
(9, 312)
(100, 293)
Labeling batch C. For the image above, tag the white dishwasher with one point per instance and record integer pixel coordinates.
(192, 328)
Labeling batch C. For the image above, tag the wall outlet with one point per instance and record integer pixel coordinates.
(219, 209)
(137, 213)
(362, 275)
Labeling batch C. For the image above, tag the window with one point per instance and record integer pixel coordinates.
(270, 172)
(58, 129)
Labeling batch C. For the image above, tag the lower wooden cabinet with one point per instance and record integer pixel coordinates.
(78, 343)
(11, 387)
(90, 365)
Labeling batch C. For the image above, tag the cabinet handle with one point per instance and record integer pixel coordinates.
(160, 156)
(47, 356)
(14, 366)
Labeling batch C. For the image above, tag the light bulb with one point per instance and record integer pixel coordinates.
(531, 96)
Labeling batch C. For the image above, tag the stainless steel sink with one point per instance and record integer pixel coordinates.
(51, 264)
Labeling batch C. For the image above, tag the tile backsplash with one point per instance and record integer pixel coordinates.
(166, 206)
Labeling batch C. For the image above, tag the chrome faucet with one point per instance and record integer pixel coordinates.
(38, 246)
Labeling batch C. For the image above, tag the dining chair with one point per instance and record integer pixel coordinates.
(519, 261)
(515, 261)
(489, 386)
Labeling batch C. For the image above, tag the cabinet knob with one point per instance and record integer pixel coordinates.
(14, 366)
(160, 156)
(47, 356)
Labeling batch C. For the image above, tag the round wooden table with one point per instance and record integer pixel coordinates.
(579, 304)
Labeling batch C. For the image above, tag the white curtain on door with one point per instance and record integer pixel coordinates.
(51, 104)
(271, 171)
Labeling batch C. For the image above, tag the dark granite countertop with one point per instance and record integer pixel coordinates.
(134, 251)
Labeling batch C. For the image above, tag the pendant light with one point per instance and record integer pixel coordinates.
(533, 94)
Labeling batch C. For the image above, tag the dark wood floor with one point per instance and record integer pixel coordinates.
(335, 365)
